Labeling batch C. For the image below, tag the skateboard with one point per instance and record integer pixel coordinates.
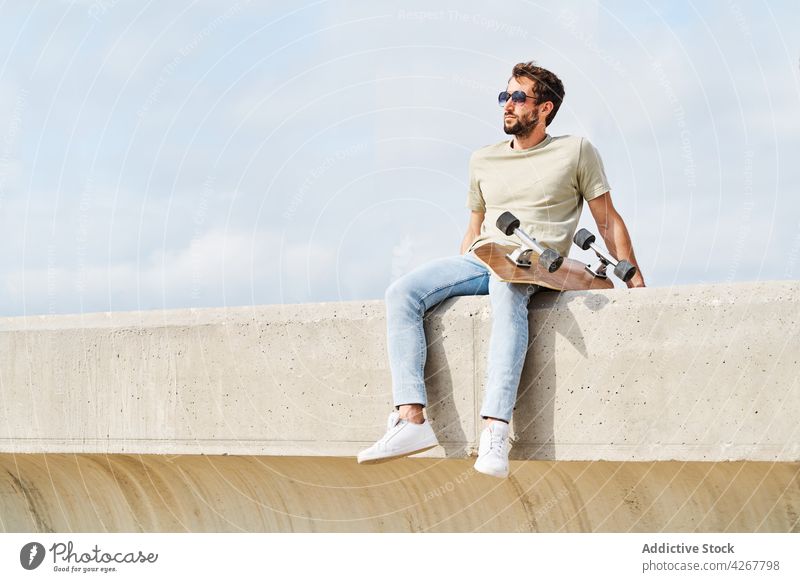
(531, 263)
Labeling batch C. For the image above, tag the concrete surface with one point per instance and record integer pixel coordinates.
(85, 493)
(703, 373)
(649, 410)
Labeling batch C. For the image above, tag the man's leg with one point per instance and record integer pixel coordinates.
(407, 300)
(508, 346)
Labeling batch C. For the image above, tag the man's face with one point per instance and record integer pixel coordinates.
(520, 119)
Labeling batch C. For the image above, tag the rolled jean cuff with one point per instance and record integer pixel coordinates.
(410, 395)
(494, 412)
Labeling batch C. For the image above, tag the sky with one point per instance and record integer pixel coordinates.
(205, 154)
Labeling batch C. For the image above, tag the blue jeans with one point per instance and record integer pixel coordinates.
(410, 296)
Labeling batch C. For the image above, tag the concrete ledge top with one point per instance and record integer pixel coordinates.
(712, 295)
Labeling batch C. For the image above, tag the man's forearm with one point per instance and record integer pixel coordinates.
(469, 238)
(618, 242)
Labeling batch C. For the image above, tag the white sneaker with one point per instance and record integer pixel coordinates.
(493, 450)
(402, 438)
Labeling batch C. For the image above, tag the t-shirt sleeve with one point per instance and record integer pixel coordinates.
(592, 181)
(475, 199)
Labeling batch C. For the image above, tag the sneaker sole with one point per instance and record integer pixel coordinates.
(491, 474)
(393, 457)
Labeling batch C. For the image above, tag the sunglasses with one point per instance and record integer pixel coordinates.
(516, 97)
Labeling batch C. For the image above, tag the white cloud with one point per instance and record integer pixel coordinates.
(216, 268)
(415, 92)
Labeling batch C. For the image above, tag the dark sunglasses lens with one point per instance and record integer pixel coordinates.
(503, 98)
(518, 97)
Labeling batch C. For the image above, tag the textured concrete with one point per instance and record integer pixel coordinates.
(704, 373)
(85, 493)
(647, 410)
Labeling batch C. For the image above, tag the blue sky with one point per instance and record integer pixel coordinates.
(193, 154)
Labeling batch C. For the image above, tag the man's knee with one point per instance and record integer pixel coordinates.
(399, 292)
(501, 290)
(509, 298)
(411, 285)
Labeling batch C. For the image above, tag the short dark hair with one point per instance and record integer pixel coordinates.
(546, 86)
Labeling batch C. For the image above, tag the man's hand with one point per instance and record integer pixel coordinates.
(636, 281)
(615, 234)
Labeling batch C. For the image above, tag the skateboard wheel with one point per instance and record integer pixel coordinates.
(624, 270)
(550, 260)
(583, 238)
(507, 223)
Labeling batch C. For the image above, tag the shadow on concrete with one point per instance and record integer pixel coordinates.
(445, 387)
(549, 318)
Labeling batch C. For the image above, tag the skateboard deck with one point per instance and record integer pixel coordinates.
(571, 276)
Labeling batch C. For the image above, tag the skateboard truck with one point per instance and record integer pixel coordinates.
(622, 269)
(521, 257)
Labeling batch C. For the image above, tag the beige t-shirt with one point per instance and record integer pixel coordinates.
(544, 186)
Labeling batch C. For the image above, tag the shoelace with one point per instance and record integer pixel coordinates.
(496, 441)
(394, 418)
(394, 422)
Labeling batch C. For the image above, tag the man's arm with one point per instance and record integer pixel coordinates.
(473, 229)
(612, 229)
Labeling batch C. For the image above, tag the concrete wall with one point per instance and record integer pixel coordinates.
(699, 373)
(647, 410)
(88, 493)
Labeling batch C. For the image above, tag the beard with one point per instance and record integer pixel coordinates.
(521, 128)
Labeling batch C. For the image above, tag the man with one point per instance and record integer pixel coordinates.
(543, 180)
